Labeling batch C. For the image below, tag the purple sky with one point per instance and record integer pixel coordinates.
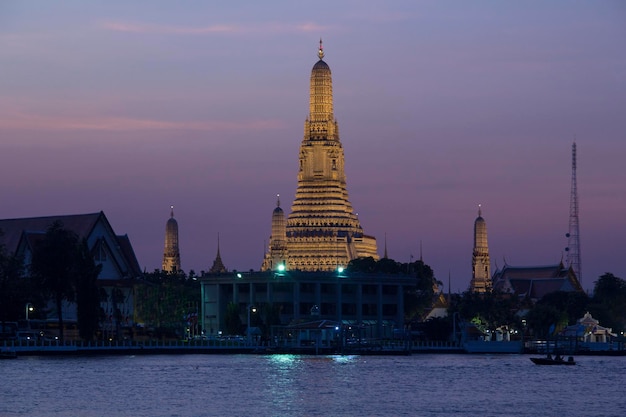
(442, 105)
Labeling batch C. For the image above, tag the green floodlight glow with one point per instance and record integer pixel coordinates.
(281, 267)
(340, 269)
(238, 275)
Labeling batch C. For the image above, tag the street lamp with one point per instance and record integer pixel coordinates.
(250, 309)
(29, 309)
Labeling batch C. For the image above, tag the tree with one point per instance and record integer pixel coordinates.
(53, 266)
(419, 299)
(437, 328)
(573, 303)
(163, 301)
(545, 320)
(271, 317)
(12, 286)
(232, 321)
(368, 264)
(388, 266)
(487, 311)
(609, 301)
(87, 293)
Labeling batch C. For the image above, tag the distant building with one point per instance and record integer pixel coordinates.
(373, 302)
(534, 282)
(120, 268)
(218, 266)
(588, 331)
(276, 257)
(322, 231)
(171, 254)
(481, 265)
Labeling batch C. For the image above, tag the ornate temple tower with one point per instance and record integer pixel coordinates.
(276, 257)
(218, 266)
(322, 230)
(481, 266)
(171, 255)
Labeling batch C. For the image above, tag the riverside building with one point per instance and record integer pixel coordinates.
(373, 302)
(114, 253)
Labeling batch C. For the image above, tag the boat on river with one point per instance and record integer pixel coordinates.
(557, 360)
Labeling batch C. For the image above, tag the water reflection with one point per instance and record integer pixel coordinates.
(278, 385)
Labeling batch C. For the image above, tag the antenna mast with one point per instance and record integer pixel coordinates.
(573, 236)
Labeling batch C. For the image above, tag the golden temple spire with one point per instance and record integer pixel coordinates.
(320, 52)
(171, 253)
(481, 265)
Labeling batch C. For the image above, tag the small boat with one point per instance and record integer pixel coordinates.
(557, 360)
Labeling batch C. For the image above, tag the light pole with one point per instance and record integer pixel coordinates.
(29, 309)
(250, 309)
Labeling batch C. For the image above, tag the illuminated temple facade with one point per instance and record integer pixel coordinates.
(481, 265)
(322, 232)
(171, 253)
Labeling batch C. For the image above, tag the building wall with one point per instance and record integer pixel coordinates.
(374, 300)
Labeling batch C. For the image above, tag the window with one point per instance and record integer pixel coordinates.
(100, 254)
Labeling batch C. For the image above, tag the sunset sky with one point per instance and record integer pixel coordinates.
(130, 107)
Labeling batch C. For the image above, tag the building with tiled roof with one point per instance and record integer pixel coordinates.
(120, 268)
(534, 282)
(113, 251)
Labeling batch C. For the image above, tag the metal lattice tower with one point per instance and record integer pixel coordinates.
(573, 236)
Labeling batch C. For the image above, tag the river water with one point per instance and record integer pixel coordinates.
(289, 385)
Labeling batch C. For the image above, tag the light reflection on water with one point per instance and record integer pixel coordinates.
(292, 385)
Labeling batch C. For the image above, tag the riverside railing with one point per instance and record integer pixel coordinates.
(45, 346)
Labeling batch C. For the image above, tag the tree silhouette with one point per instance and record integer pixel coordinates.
(12, 286)
(53, 266)
(87, 293)
(232, 321)
(609, 301)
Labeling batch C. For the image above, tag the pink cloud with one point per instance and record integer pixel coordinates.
(167, 29)
(17, 120)
(211, 29)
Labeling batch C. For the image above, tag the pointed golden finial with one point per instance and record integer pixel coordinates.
(320, 52)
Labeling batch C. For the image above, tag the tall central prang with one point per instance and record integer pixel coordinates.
(322, 230)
